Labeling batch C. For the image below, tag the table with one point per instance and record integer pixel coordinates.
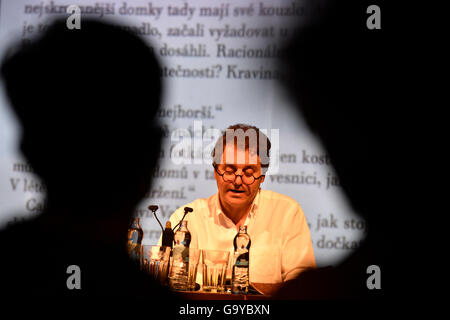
(268, 290)
(201, 295)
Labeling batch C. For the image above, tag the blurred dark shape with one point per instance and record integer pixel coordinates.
(168, 235)
(87, 101)
(338, 73)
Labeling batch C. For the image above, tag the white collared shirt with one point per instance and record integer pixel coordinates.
(281, 244)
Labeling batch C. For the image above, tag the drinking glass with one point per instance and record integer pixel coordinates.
(194, 258)
(155, 261)
(214, 264)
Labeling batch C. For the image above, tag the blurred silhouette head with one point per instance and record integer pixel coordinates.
(86, 100)
(334, 71)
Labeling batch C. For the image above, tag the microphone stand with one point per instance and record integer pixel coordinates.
(153, 209)
(186, 211)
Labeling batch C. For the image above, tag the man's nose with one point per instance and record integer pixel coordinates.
(238, 180)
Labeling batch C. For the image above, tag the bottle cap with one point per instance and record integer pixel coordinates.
(168, 225)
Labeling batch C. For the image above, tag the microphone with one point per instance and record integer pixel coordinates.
(154, 208)
(188, 209)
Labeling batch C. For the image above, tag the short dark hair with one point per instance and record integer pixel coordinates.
(262, 143)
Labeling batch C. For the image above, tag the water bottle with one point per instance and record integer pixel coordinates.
(240, 278)
(134, 243)
(178, 279)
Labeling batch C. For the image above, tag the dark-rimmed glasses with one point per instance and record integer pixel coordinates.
(230, 176)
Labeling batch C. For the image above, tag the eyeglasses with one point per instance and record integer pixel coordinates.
(230, 176)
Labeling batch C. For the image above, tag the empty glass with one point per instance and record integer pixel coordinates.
(214, 264)
(194, 258)
(155, 261)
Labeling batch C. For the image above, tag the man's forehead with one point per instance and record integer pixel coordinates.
(240, 156)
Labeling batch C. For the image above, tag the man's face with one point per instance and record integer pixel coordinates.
(237, 193)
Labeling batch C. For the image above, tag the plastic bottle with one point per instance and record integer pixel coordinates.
(178, 278)
(134, 243)
(240, 277)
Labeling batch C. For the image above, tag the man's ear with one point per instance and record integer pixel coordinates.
(262, 179)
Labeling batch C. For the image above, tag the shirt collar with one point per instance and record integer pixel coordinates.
(253, 207)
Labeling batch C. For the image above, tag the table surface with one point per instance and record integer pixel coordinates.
(202, 295)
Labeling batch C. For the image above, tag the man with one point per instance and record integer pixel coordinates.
(323, 61)
(86, 134)
(281, 245)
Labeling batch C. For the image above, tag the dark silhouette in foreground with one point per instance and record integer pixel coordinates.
(86, 100)
(337, 73)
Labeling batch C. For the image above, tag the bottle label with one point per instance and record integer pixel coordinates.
(186, 240)
(242, 260)
(242, 263)
(182, 238)
(181, 253)
(133, 236)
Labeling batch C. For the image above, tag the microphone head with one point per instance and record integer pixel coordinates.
(188, 209)
(152, 208)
